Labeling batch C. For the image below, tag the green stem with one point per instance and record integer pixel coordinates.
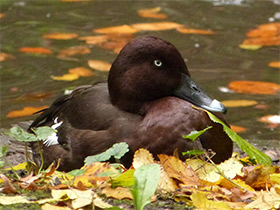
(42, 158)
(15, 172)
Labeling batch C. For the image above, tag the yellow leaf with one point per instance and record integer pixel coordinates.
(142, 157)
(185, 30)
(274, 64)
(201, 202)
(229, 185)
(81, 71)
(152, 13)
(61, 36)
(250, 47)
(53, 207)
(74, 50)
(26, 111)
(99, 65)
(98, 202)
(158, 26)
(275, 178)
(94, 39)
(9, 200)
(19, 166)
(239, 103)
(123, 29)
(66, 77)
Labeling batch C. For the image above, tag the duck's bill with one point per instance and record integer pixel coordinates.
(190, 91)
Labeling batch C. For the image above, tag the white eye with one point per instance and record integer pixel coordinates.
(158, 63)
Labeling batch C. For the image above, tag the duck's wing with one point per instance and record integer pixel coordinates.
(47, 116)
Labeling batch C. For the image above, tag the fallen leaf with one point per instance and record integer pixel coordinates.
(123, 29)
(38, 50)
(74, 50)
(274, 64)
(179, 171)
(250, 46)
(254, 87)
(237, 129)
(48, 206)
(61, 36)
(185, 30)
(152, 13)
(35, 96)
(264, 35)
(8, 187)
(94, 39)
(98, 202)
(2, 15)
(5, 56)
(200, 201)
(26, 111)
(9, 200)
(66, 77)
(91, 176)
(266, 200)
(157, 26)
(275, 119)
(142, 157)
(118, 192)
(99, 65)
(81, 71)
(239, 103)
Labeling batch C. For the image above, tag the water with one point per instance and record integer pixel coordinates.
(213, 60)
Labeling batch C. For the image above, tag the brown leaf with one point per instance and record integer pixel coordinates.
(81, 71)
(35, 96)
(2, 15)
(118, 193)
(237, 129)
(264, 35)
(123, 29)
(74, 51)
(274, 64)
(99, 65)
(179, 171)
(157, 26)
(38, 50)
(5, 56)
(185, 30)
(8, 187)
(26, 111)
(61, 36)
(152, 13)
(254, 87)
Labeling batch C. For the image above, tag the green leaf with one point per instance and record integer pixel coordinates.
(20, 135)
(245, 146)
(44, 132)
(193, 152)
(117, 151)
(3, 150)
(195, 134)
(114, 208)
(146, 181)
(76, 172)
(2, 163)
(125, 179)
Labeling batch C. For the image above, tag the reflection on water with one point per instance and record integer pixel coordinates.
(213, 60)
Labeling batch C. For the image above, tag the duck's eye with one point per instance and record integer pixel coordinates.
(158, 63)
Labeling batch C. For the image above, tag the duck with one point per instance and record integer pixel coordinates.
(148, 102)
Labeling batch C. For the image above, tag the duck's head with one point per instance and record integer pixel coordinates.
(149, 68)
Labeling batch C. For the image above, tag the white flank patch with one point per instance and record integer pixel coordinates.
(53, 139)
(274, 119)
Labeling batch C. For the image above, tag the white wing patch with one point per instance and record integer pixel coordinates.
(53, 139)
